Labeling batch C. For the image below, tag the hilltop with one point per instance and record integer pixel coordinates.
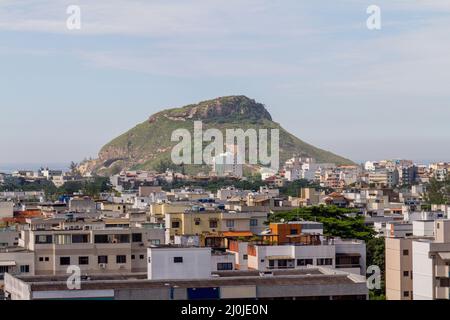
(149, 144)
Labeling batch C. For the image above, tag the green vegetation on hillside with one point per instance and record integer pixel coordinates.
(149, 143)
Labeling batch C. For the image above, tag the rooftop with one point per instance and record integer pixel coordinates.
(313, 276)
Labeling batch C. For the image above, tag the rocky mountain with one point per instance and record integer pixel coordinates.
(148, 146)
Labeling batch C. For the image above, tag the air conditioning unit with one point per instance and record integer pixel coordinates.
(266, 274)
(102, 265)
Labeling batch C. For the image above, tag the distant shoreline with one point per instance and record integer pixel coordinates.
(10, 167)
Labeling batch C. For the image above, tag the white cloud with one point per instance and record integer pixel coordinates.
(140, 17)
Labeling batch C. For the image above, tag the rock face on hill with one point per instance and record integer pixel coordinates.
(148, 146)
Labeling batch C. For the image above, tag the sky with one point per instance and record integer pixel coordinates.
(363, 94)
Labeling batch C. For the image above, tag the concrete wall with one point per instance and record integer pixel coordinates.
(396, 265)
(6, 209)
(9, 238)
(196, 263)
(423, 286)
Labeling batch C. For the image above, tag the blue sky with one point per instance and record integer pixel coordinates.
(322, 74)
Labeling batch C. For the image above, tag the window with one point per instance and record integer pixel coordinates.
(406, 294)
(25, 269)
(324, 262)
(102, 259)
(282, 263)
(406, 252)
(175, 224)
(304, 262)
(80, 238)
(271, 263)
(41, 259)
(178, 260)
(155, 242)
(63, 239)
(133, 257)
(83, 261)
(101, 238)
(230, 223)
(64, 261)
(121, 259)
(141, 257)
(253, 222)
(43, 239)
(294, 231)
(213, 224)
(224, 266)
(245, 257)
(47, 259)
(121, 238)
(137, 237)
(406, 273)
(112, 238)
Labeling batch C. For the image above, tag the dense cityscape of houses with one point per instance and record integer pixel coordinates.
(142, 241)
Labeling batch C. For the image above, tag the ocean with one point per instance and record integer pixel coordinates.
(10, 167)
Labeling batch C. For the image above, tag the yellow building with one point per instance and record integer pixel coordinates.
(158, 211)
(192, 222)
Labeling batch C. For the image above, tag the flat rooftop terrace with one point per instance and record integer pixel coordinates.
(307, 277)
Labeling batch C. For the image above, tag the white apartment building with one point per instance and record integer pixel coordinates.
(89, 244)
(175, 263)
(431, 265)
(348, 256)
(16, 261)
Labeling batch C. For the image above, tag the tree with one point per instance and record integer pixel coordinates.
(73, 168)
(376, 252)
(438, 192)
(336, 221)
(163, 165)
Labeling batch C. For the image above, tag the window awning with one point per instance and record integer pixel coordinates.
(444, 256)
(348, 254)
(280, 258)
(7, 263)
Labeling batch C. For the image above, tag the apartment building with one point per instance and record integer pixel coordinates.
(384, 178)
(399, 268)
(291, 232)
(431, 265)
(58, 243)
(399, 229)
(310, 196)
(212, 222)
(317, 283)
(15, 260)
(417, 267)
(158, 211)
(347, 255)
(8, 237)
